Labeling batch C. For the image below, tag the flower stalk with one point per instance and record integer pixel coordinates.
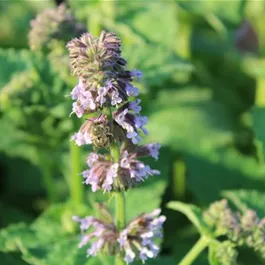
(195, 251)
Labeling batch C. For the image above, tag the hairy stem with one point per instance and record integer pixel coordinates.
(76, 185)
(195, 251)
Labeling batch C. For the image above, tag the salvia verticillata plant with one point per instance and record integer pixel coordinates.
(114, 128)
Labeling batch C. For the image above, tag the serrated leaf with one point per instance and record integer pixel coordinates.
(193, 213)
(12, 235)
(247, 199)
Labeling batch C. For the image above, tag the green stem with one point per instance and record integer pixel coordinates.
(76, 185)
(120, 203)
(196, 250)
(179, 179)
(120, 209)
(48, 179)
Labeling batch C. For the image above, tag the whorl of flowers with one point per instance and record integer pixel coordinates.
(108, 175)
(243, 229)
(54, 23)
(136, 240)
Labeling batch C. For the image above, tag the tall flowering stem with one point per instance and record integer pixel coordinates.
(106, 92)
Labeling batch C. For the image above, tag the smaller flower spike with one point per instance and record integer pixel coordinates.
(246, 229)
(55, 23)
(136, 240)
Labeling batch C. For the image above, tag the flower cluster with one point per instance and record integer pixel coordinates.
(105, 90)
(104, 82)
(108, 175)
(137, 239)
(243, 229)
(55, 23)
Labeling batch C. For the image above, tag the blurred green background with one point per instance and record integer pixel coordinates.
(203, 89)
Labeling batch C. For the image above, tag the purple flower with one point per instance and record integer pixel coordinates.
(127, 116)
(148, 150)
(131, 90)
(134, 106)
(103, 80)
(103, 235)
(133, 170)
(137, 239)
(81, 138)
(128, 171)
(136, 73)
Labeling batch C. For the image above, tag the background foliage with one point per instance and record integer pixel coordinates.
(203, 90)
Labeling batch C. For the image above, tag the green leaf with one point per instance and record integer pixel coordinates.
(64, 251)
(12, 61)
(152, 198)
(222, 253)
(149, 21)
(202, 130)
(13, 234)
(258, 115)
(213, 122)
(193, 213)
(247, 199)
(219, 8)
(169, 64)
(55, 223)
(11, 259)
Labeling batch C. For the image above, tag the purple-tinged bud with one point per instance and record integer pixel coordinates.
(220, 217)
(97, 62)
